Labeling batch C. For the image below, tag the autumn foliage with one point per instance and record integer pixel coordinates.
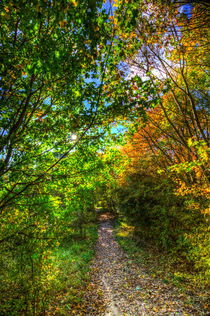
(164, 191)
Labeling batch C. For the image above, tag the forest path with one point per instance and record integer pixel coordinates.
(120, 287)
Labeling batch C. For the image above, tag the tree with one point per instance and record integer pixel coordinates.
(164, 188)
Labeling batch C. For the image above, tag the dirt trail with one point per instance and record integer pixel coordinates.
(119, 287)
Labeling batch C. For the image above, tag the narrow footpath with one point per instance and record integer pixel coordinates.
(119, 287)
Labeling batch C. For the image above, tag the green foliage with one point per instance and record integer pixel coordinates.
(27, 291)
(57, 212)
(53, 124)
(159, 216)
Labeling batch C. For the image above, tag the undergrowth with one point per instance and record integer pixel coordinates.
(58, 281)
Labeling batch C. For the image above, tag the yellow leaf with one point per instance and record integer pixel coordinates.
(74, 3)
(62, 23)
(39, 8)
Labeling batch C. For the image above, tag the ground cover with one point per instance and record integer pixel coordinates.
(71, 262)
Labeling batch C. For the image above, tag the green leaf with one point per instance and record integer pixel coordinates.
(57, 54)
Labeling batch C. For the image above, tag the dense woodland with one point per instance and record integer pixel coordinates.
(103, 103)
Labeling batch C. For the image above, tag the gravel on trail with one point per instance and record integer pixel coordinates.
(120, 287)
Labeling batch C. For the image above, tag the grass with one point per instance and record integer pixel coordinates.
(71, 266)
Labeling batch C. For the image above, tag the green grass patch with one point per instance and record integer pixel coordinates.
(70, 266)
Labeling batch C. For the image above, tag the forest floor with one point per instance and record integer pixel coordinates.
(119, 286)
